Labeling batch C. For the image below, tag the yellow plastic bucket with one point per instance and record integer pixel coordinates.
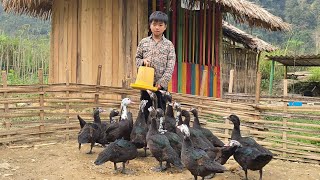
(144, 80)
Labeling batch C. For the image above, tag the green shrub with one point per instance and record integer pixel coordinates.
(315, 74)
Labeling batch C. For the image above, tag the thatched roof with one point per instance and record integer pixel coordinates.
(247, 40)
(35, 8)
(254, 15)
(303, 60)
(242, 10)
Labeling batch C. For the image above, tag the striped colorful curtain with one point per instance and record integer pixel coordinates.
(195, 35)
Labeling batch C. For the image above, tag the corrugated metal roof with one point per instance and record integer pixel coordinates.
(304, 60)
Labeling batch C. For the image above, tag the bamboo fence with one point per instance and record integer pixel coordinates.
(48, 113)
(244, 64)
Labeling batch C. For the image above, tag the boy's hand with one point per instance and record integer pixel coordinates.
(146, 62)
(158, 86)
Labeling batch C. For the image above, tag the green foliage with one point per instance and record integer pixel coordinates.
(265, 64)
(13, 24)
(22, 57)
(24, 47)
(265, 69)
(315, 74)
(304, 17)
(14, 79)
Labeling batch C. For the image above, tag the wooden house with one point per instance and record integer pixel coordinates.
(88, 33)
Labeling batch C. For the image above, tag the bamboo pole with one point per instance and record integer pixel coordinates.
(96, 98)
(168, 4)
(295, 153)
(246, 73)
(284, 137)
(257, 98)
(230, 89)
(235, 68)
(180, 47)
(308, 116)
(271, 78)
(2, 54)
(294, 145)
(220, 54)
(41, 101)
(161, 5)
(8, 62)
(154, 5)
(285, 94)
(258, 85)
(254, 132)
(7, 122)
(280, 123)
(241, 96)
(291, 108)
(231, 78)
(204, 33)
(67, 137)
(285, 72)
(285, 87)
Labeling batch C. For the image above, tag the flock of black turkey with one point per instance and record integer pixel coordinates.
(170, 139)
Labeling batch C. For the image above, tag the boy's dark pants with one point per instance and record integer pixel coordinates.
(145, 96)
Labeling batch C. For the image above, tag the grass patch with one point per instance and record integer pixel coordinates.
(298, 120)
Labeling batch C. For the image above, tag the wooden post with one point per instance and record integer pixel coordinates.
(258, 61)
(203, 82)
(284, 136)
(220, 47)
(234, 53)
(41, 100)
(285, 72)
(179, 47)
(271, 78)
(96, 96)
(67, 137)
(246, 73)
(5, 85)
(258, 85)
(285, 94)
(285, 87)
(230, 89)
(257, 98)
(7, 122)
(168, 4)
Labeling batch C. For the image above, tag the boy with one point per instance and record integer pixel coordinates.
(157, 52)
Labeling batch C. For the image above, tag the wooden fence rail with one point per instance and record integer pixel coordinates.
(250, 97)
(48, 112)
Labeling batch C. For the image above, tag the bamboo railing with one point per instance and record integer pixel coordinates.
(293, 131)
(48, 113)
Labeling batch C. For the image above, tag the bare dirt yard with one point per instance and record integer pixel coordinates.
(65, 161)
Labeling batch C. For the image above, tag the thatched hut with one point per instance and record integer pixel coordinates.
(88, 33)
(241, 54)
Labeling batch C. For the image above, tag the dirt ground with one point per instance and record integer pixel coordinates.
(65, 161)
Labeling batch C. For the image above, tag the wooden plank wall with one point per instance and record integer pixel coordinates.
(89, 33)
(63, 41)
